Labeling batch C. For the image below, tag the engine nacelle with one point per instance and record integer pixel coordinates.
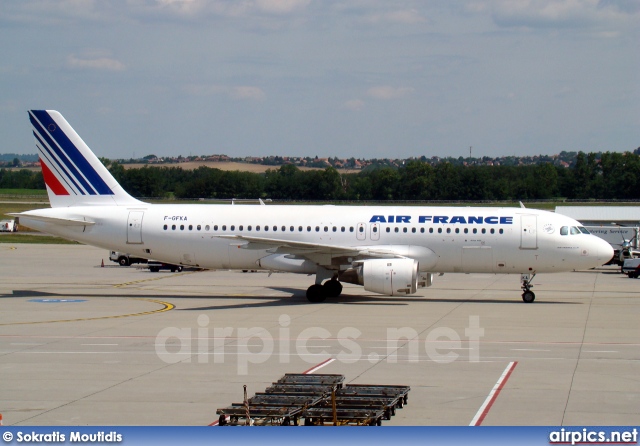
(391, 277)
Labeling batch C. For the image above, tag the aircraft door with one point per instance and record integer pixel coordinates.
(361, 231)
(375, 231)
(134, 227)
(528, 233)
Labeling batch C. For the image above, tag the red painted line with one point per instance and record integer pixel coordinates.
(493, 395)
(307, 372)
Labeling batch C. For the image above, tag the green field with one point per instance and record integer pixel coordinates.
(32, 238)
(24, 192)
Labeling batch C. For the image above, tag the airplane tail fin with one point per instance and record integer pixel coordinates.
(73, 174)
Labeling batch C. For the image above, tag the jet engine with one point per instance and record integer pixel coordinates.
(391, 277)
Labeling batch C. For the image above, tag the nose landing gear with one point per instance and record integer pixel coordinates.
(528, 296)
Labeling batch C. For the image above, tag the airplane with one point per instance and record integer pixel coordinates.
(390, 250)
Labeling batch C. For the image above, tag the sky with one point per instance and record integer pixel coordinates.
(345, 78)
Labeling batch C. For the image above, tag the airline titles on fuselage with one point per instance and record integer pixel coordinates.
(444, 219)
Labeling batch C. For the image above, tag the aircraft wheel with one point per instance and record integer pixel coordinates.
(528, 296)
(316, 293)
(332, 288)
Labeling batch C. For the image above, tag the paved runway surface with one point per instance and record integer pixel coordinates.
(81, 344)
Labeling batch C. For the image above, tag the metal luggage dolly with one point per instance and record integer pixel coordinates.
(321, 400)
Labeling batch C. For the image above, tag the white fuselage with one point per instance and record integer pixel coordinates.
(441, 239)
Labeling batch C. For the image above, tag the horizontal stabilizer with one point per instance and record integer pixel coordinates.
(54, 220)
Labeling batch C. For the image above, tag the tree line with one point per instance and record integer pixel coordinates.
(609, 175)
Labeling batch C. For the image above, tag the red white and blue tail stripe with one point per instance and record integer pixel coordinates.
(73, 174)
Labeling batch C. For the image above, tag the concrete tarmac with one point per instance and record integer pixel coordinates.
(82, 344)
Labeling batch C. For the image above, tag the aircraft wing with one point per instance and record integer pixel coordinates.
(305, 249)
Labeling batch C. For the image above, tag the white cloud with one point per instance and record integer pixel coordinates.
(557, 13)
(405, 16)
(95, 63)
(387, 92)
(248, 92)
(242, 92)
(281, 6)
(354, 105)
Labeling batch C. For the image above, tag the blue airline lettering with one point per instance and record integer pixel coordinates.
(443, 219)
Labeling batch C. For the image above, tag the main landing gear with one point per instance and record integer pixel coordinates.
(318, 293)
(528, 296)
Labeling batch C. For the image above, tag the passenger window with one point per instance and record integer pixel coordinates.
(421, 230)
(388, 229)
(397, 230)
(430, 230)
(190, 227)
(165, 227)
(317, 228)
(224, 227)
(404, 230)
(199, 227)
(291, 228)
(475, 230)
(182, 227)
(173, 227)
(240, 228)
(326, 229)
(342, 229)
(249, 228)
(308, 228)
(484, 231)
(457, 230)
(466, 230)
(284, 228)
(501, 231)
(351, 229)
(266, 228)
(413, 230)
(258, 228)
(215, 227)
(448, 230)
(574, 230)
(206, 228)
(564, 230)
(439, 230)
(299, 228)
(493, 231)
(375, 229)
(233, 227)
(275, 228)
(335, 229)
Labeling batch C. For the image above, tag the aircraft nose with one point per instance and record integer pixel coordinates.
(603, 250)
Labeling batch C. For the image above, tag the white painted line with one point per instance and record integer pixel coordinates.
(529, 350)
(98, 344)
(601, 351)
(319, 366)
(493, 395)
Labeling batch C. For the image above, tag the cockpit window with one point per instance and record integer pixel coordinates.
(564, 230)
(574, 230)
(583, 230)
